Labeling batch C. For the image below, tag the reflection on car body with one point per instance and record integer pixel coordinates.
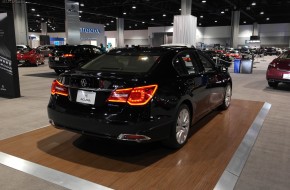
(140, 94)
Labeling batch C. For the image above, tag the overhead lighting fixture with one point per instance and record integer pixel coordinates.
(179, 9)
(261, 13)
(215, 21)
(112, 21)
(42, 18)
(80, 16)
(267, 18)
(254, 3)
(37, 15)
(222, 12)
(80, 11)
(152, 18)
(32, 9)
(199, 24)
(136, 24)
(143, 22)
(124, 13)
(164, 15)
(108, 24)
(130, 27)
(203, 1)
(172, 23)
(82, 4)
(201, 16)
(133, 7)
(245, 22)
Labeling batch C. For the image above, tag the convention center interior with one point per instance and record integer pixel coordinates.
(145, 94)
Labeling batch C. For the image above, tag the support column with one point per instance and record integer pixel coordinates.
(43, 27)
(120, 32)
(255, 29)
(186, 7)
(20, 22)
(184, 25)
(235, 24)
(72, 23)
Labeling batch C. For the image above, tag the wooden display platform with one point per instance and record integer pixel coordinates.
(198, 165)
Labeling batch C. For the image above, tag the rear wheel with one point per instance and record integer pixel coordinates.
(273, 84)
(179, 132)
(227, 97)
(59, 71)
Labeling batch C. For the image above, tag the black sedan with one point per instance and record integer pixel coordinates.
(140, 94)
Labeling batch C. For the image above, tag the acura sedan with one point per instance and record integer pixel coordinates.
(140, 94)
(279, 70)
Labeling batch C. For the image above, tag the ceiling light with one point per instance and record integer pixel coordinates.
(32, 9)
(199, 24)
(152, 18)
(124, 13)
(203, 1)
(245, 22)
(164, 15)
(267, 18)
(112, 21)
(222, 12)
(80, 11)
(254, 3)
(104, 26)
(179, 9)
(143, 22)
(172, 23)
(80, 16)
(37, 15)
(82, 4)
(42, 18)
(108, 24)
(130, 27)
(133, 7)
(136, 24)
(201, 16)
(262, 13)
(215, 21)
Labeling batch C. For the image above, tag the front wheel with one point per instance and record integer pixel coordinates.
(179, 132)
(227, 97)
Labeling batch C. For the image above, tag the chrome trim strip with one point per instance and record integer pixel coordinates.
(232, 172)
(90, 89)
(48, 174)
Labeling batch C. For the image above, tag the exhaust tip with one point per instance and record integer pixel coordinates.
(133, 137)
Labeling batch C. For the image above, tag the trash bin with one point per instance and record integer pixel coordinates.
(246, 66)
(237, 64)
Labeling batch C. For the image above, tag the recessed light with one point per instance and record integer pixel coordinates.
(80, 11)
(164, 15)
(254, 3)
(112, 21)
(222, 12)
(108, 24)
(215, 21)
(133, 7)
(245, 22)
(267, 18)
(201, 16)
(32, 9)
(82, 4)
(199, 24)
(143, 22)
(80, 16)
(136, 24)
(179, 9)
(203, 1)
(37, 15)
(172, 23)
(130, 27)
(262, 13)
(152, 18)
(124, 13)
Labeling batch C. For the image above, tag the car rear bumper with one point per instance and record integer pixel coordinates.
(152, 130)
(275, 75)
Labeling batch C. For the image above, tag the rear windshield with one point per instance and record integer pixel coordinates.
(122, 63)
(65, 49)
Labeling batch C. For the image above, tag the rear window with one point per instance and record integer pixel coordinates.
(66, 49)
(122, 63)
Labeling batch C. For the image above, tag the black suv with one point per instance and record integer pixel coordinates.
(67, 57)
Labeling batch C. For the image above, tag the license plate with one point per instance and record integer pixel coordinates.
(86, 97)
(56, 58)
(286, 76)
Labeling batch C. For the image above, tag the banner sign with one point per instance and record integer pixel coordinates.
(72, 22)
(9, 79)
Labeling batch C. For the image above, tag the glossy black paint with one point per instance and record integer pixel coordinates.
(201, 91)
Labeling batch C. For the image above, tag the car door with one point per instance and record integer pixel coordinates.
(213, 80)
(191, 82)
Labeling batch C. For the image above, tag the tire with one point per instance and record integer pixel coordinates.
(180, 130)
(273, 84)
(227, 98)
(59, 71)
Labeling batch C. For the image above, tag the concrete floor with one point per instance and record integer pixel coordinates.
(266, 168)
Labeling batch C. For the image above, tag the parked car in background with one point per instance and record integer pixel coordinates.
(67, 57)
(21, 47)
(279, 70)
(233, 54)
(122, 94)
(270, 51)
(32, 57)
(46, 49)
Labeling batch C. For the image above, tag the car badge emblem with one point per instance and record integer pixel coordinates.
(84, 82)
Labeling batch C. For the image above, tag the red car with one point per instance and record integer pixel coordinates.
(279, 70)
(30, 57)
(233, 54)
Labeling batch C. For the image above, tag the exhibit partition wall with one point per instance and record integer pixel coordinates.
(72, 22)
(9, 79)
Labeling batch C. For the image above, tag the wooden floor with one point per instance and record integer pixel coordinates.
(198, 165)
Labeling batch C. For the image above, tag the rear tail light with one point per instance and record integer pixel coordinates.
(49, 55)
(273, 64)
(134, 96)
(68, 55)
(58, 88)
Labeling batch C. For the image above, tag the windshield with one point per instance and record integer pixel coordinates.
(122, 63)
